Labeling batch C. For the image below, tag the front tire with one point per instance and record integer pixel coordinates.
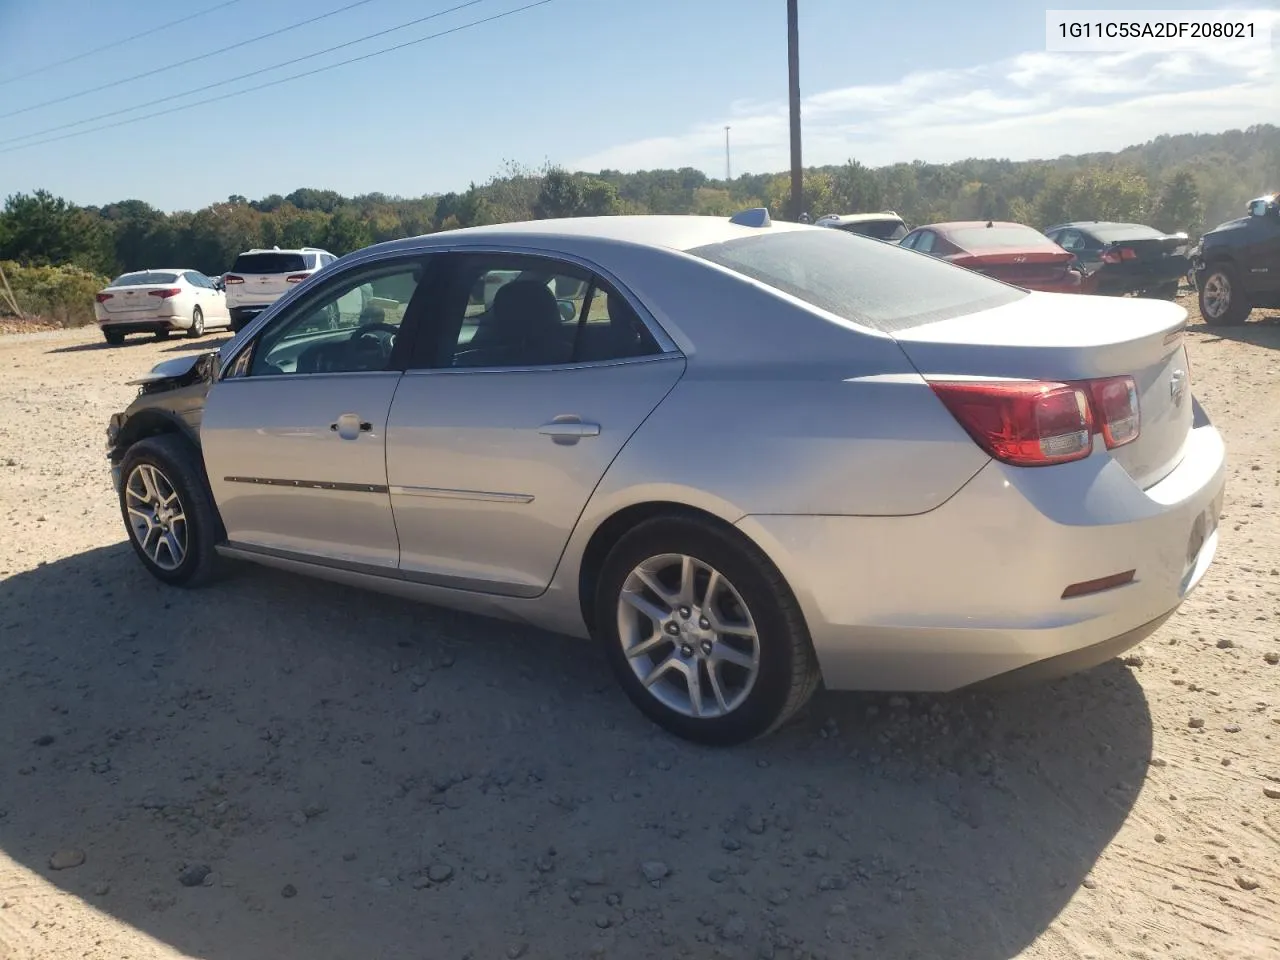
(168, 511)
(702, 632)
(1223, 301)
(197, 324)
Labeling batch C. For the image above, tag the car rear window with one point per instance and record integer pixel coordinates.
(862, 280)
(269, 263)
(143, 279)
(998, 238)
(880, 229)
(1125, 231)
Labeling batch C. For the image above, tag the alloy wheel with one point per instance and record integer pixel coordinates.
(156, 516)
(1216, 295)
(688, 636)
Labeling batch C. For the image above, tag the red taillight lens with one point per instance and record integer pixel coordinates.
(1024, 423)
(1115, 405)
(1117, 254)
(296, 277)
(165, 294)
(231, 278)
(103, 297)
(1031, 423)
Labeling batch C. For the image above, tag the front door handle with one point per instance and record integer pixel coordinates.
(569, 429)
(349, 426)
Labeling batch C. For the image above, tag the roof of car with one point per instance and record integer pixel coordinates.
(971, 225)
(285, 250)
(1092, 224)
(134, 273)
(670, 232)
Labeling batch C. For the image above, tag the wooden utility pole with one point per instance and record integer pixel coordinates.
(793, 69)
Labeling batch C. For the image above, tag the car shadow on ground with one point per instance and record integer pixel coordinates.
(1260, 331)
(368, 777)
(128, 342)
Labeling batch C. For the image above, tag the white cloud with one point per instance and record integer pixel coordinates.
(1036, 104)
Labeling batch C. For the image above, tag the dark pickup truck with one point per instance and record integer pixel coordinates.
(1237, 266)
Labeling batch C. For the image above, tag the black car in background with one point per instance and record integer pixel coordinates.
(1237, 265)
(1126, 257)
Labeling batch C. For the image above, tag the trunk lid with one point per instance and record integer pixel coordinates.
(1152, 250)
(1019, 268)
(1059, 337)
(134, 298)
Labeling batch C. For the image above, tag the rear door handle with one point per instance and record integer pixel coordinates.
(569, 430)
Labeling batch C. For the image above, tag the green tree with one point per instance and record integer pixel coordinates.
(1179, 206)
(346, 233)
(559, 196)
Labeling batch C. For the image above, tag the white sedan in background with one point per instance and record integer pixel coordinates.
(159, 302)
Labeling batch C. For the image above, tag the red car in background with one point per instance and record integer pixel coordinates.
(1010, 252)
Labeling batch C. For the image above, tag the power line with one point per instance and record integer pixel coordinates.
(275, 83)
(186, 62)
(117, 43)
(243, 76)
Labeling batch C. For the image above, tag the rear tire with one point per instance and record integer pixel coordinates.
(197, 324)
(168, 510)
(162, 334)
(1223, 301)
(741, 644)
(1166, 291)
(113, 337)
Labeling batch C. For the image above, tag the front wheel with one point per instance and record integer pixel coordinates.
(702, 632)
(1223, 301)
(168, 510)
(197, 324)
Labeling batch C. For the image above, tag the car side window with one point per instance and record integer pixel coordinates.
(347, 326)
(909, 241)
(924, 242)
(519, 311)
(193, 278)
(1069, 240)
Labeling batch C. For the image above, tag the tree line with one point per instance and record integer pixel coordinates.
(1187, 182)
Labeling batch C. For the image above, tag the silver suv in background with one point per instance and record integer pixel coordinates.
(886, 226)
(259, 278)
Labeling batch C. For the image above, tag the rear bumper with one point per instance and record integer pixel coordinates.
(1145, 277)
(1072, 283)
(144, 324)
(973, 589)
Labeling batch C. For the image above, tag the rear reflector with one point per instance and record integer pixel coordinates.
(1115, 404)
(165, 294)
(1087, 587)
(232, 278)
(103, 297)
(1024, 423)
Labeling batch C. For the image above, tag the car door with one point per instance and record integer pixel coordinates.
(216, 309)
(1260, 253)
(294, 433)
(529, 376)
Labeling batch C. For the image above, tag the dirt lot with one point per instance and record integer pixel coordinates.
(277, 768)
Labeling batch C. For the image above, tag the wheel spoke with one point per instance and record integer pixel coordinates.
(175, 550)
(646, 607)
(147, 474)
(726, 654)
(693, 677)
(688, 571)
(647, 646)
(713, 584)
(712, 667)
(654, 584)
(660, 669)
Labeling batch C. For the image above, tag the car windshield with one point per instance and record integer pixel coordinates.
(998, 238)
(876, 284)
(1112, 232)
(880, 229)
(143, 279)
(273, 262)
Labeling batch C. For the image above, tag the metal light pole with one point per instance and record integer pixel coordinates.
(793, 69)
(728, 170)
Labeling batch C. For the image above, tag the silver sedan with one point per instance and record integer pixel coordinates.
(746, 457)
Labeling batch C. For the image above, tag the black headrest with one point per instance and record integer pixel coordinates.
(525, 307)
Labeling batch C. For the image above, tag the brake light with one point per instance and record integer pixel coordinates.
(103, 297)
(232, 278)
(1032, 423)
(166, 293)
(296, 277)
(1024, 423)
(1118, 254)
(1115, 406)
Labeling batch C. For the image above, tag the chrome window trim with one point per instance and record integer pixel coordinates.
(543, 368)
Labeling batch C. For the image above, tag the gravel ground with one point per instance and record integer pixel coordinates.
(276, 768)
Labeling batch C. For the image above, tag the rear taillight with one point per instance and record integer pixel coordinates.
(1117, 254)
(296, 277)
(103, 297)
(1025, 423)
(231, 278)
(1115, 408)
(1032, 423)
(165, 294)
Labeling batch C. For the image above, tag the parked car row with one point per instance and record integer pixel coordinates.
(1235, 267)
(745, 457)
(162, 301)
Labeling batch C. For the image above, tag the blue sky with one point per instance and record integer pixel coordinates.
(626, 84)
